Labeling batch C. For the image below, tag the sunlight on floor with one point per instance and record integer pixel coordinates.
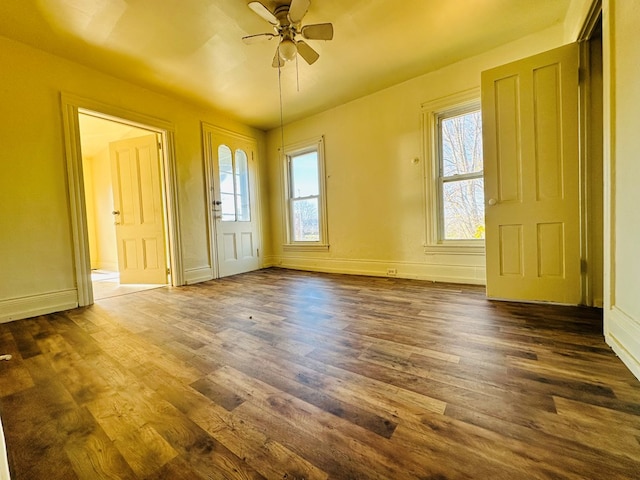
(107, 284)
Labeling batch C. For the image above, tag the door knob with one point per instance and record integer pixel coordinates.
(492, 202)
(115, 212)
(217, 202)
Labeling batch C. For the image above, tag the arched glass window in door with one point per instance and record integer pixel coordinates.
(243, 213)
(234, 185)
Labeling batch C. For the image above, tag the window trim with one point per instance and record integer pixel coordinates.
(292, 150)
(431, 113)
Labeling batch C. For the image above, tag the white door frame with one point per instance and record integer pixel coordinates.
(587, 156)
(208, 131)
(71, 107)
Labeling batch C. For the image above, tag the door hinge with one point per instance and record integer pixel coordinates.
(159, 145)
(583, 266)
(168, 271)
(257, 252)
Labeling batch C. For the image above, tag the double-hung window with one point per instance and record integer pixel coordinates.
(305, 196)
(455, 179)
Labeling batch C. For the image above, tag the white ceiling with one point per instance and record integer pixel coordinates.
(96, 134)
(193, 48)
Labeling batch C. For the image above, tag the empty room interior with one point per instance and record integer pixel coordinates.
(317, 239)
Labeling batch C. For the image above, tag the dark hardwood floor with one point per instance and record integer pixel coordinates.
(290, 375)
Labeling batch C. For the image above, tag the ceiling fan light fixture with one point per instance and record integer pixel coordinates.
(286, 20)
(288, 49)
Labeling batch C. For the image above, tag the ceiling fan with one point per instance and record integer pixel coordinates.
(286, 21)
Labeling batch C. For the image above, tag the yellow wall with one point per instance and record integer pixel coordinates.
(622, 173)
(99, 200)
(375, 192)
(90, 197)
(36, 257)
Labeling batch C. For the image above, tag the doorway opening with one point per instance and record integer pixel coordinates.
(232, 193)
(123, 187)
(144, 206)
(592, 108)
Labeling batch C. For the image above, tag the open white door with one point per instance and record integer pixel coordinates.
(233, 173)
(138, 210)
(530, 125)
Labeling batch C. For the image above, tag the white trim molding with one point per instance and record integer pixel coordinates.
(315, 144)
(430, 112)
(71, 107)
(209, 134)
(622, 334)
(449, 272)
(34, 305)
(198, 274)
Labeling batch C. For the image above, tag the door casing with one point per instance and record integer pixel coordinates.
(73, 105)
(209, 134)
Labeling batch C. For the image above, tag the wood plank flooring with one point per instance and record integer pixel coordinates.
(291, 375)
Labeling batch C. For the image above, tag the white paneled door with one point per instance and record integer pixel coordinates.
(532, 192)
(138, 210)
(233, 173)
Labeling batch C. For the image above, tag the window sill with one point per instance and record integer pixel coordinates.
(300, 247)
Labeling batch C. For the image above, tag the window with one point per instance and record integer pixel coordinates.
(234, 185)
(455, 183)
(305, 196)
(461, 206)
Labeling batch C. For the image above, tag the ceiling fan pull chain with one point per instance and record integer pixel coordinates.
(281, 115)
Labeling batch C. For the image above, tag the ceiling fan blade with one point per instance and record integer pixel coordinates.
(251, 39)
(297, 10)
(318, 31)
(277, 60)
(306, 52)
(264, 12)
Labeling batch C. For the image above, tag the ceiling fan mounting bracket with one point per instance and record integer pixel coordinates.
(282, 14)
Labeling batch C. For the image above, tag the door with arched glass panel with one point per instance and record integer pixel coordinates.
(233, 208)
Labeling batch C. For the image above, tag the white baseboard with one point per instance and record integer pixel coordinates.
(34, 305)
(4, 463)
(622, 333)
(197, 275)
(465, 274)
(269, 261)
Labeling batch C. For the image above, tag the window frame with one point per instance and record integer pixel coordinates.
(432, 113)
(294, 150)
